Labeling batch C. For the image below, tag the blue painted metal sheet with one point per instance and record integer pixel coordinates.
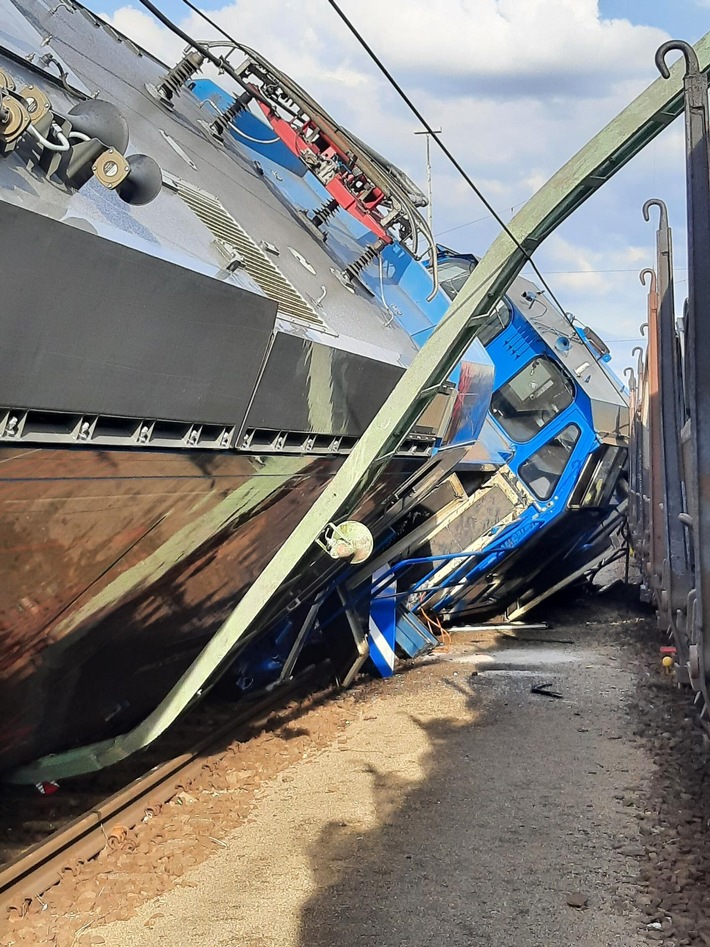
(382, 626)
(412, 636)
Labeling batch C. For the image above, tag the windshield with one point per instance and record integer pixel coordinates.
(542, 470)
(453, 273)
(531, 399)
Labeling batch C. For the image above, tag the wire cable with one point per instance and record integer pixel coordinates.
(406, 99)
(196, 9)
(470, 223)
(219, 61)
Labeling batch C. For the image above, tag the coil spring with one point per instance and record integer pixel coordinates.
(179, 74)
(222, 121)
(324, 212)
(354, 268)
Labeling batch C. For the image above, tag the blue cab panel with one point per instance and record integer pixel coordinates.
(563, 415)
(246, 128)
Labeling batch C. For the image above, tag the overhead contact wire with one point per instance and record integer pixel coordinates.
(412, 107)
(209, 20)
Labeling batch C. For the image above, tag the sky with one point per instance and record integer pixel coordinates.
(517, 86)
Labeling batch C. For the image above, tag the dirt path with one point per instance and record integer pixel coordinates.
(452, 808)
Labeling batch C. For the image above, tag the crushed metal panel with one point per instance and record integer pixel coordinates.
(496, 503)
(412, 637)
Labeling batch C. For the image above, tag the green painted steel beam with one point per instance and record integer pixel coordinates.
(574, 183)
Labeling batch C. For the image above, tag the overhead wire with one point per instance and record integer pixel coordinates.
(594, 272)
(470, 223)
(196, 9)
(437, 138)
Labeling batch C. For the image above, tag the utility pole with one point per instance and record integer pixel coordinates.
(428, 134)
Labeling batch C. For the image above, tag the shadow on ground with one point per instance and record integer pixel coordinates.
(514, 814)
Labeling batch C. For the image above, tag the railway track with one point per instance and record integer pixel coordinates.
(36, 869)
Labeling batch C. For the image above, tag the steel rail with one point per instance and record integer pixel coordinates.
(41, 867)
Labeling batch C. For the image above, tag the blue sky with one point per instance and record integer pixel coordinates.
(686, 18)
(517, 86)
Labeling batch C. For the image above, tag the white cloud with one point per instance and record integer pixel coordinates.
(495, 48)
(504, 48)
(140, 26)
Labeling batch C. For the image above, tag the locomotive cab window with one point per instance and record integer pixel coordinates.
(542, 470)
(498, 319)
(453, 273)
(531, 399)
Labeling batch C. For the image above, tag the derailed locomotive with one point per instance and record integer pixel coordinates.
(535, 504)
